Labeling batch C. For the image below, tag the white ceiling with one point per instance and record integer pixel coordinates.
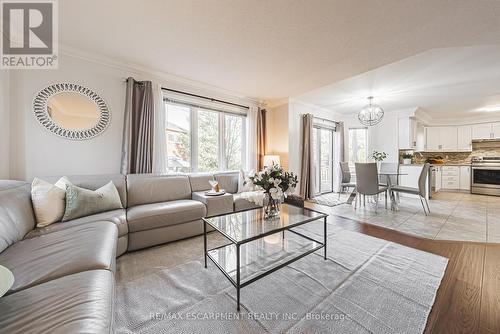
(449, 83)
(273, 49)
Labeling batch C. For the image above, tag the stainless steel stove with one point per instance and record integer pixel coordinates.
(485, 176)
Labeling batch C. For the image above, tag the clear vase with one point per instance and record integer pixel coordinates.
(271, 206)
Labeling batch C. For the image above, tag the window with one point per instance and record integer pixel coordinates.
(233, 141)
(178, 129)
(358, 145)
(208, 141)
(203, 140)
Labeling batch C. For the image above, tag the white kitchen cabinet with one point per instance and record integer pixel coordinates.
(448, 138)
(465, 178)
(450, 177)
(411, 134)
(437, 178)
(495, 130)
(432, 143)
(441, 139)
(482, 131)
(464, 138)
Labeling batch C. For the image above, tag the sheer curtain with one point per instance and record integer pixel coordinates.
(160, 140)
(252, 143)
(338, 155)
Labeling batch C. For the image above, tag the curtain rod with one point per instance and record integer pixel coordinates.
(201, 97)
(205, 97)
(327, 120)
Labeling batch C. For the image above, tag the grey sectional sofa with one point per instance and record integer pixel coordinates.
(64, 273)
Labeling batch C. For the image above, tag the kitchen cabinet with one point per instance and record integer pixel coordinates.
(465, 178)
(486, 131)
(411, 134)
(437, 178)
(481, 131)
(433, 143)
(450, 177)
(495, 131)
(441, 139)
(448, 138)
(464, 138)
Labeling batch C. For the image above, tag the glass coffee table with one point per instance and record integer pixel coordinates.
(258, 247)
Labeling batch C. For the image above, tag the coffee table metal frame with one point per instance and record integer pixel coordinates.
(237, 283)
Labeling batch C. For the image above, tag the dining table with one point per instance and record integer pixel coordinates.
(394, 202)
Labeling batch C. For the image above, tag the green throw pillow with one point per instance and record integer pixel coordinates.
(81, 202)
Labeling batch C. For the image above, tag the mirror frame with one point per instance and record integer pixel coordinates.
(40, 109)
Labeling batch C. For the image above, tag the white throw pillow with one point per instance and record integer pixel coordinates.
(48, 200)
(6, 280)
(243, 176)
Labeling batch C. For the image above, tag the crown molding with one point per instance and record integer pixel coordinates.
(149, 73)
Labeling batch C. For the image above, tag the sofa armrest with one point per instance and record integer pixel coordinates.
(216, 205)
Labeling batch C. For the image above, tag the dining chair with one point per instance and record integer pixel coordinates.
(420, 191)
(389, 167)
(367, 182)
(346, 178)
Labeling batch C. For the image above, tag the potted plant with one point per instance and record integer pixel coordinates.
(407, 158)
(276, 184)
(379, 156)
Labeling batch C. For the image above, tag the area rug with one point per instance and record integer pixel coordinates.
(366, 285)
(331, 199)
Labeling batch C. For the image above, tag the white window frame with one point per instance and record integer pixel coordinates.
(221, 159)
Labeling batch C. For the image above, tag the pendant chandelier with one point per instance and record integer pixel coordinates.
(371, 114)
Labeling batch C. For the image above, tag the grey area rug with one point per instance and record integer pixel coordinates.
(366, 285)
(331, 199)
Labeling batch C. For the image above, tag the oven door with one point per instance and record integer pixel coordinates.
(486, 180)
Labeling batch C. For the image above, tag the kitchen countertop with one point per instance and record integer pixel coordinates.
(446, 164)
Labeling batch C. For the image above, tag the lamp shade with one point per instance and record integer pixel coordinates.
(271, 160)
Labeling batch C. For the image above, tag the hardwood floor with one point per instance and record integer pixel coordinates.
(468, 300)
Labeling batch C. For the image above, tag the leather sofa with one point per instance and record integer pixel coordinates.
(64, 273)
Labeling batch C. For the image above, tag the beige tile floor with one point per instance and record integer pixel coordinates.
(454, 216)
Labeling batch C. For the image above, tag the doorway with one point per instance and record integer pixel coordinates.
(323, 149)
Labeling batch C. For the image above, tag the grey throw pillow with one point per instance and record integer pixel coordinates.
(81, 202)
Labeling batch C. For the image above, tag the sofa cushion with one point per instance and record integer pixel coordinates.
(150, 188)
(117, 217)
(94, 182)
(53, 255)
(48, 200)
(81, 202)
(150, 216)
(216, 205)
(78, 303)
(241, 202)
(16, 213)
(200, 181)
(228, 181)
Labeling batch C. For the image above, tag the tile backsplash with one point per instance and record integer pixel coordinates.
(455, 157)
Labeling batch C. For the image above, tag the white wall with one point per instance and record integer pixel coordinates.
(4, 124)
(36, 152)
(277, 132)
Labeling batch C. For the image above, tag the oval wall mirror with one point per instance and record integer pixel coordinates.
(71, 111)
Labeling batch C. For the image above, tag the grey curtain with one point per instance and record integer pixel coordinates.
(261, 138)
(306, 171)
(138, 128)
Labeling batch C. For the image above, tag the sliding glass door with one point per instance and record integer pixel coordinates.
(323, 149)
